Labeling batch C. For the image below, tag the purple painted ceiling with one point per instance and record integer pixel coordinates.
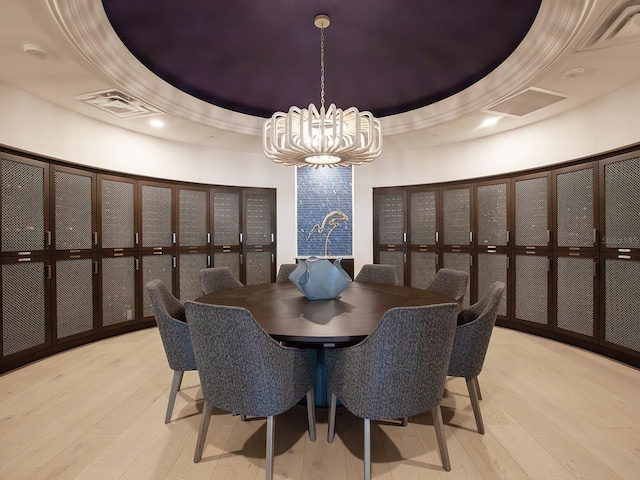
(258, 57)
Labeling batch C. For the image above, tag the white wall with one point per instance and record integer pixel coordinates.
(30, 124)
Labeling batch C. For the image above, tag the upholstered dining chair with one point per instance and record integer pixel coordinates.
(174, 332)
(284, 272)
(452, 283)
(243, 370)
(377, 273)
(475, 325)
(217, 278)
(374, 381)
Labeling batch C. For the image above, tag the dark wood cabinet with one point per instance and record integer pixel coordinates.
(78, 245)
(565, 240)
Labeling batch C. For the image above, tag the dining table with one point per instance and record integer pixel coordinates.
(288, 316)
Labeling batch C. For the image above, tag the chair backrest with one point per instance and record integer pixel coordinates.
(284, 272)
(400, 369)
(217, 278)
(452, 283)
(473, 335)
(242, 369)
(174, 332)
(378, 273)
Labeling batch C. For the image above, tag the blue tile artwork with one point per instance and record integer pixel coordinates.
(325, 211)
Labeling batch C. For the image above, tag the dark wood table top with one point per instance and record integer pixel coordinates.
(288, 316)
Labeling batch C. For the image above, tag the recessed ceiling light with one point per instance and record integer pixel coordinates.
(489, 121)
(572, 73)
(156, 123)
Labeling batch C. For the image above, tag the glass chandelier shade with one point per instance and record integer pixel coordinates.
(325, 137)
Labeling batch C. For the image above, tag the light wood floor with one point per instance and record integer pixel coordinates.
(97, 412)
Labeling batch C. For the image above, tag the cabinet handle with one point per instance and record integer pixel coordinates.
(272, 238)
(404, 237)
(240, 237)
(470, 237)
(173, 238)
(95, 267)
(595, 236)
(404, 258)
(508, 237)
(47, 238)
(48, 277)
(471, 260)
(273, 258)
(135, 238)
(548, 237)
(95, 238)
(208, 260)
(136, 264)
(174, 261)
(208, 238)
(240, 259)
(437, 237)
(595, 268)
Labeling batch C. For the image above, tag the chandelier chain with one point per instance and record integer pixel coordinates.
(321, 67)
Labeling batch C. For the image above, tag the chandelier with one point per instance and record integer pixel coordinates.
(325, 137)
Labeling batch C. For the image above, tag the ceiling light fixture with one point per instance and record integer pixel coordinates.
(308, 137)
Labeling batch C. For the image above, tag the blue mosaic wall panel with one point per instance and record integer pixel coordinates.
(325, 211)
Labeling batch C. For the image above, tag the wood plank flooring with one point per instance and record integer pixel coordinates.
(551, 411)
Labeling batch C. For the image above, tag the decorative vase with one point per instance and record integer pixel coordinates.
(319, 279)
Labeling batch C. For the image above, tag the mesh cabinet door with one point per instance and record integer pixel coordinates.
(157, 266)
(532, 212)
(575, 192)
(423, 268)
(24, 307)
(190, 265)
(116, 213)
(493, 267)
(423, 218)
(575, 298)
(73, 210)
(117, 289)
(23, 206)
(622, 303)
(622, 205)
(258, 219)
(157, 220)
(390, 217)
(460, 261)
(491, 215)
(74, 297)
(456, 211)
(225, 218)
(192, 218)
(258, 268)
(532, 288)
(231, 260)
(396, 259)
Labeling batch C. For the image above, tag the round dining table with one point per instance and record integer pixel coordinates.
(286, 314)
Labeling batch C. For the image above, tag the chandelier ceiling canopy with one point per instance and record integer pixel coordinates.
(325, 137)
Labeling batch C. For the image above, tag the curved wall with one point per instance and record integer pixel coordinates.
(32, 125)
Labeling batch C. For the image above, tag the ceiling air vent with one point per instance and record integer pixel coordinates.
(118, 104)
(621, 26)
(525, 102)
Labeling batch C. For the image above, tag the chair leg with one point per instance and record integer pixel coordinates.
(311, 415)
(478, 388)
(270, 439)
(367, 449)
(175, 386)
(332, 417)
(405, 421)
(202, 434)
(442, 440)
(473, 396)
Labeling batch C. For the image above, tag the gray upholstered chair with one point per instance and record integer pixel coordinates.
(243, 370)
(475, 325)
(217, 278)
(378, 273)
(399, 370)
(174, 332)
(284, 272)
(452, 283)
